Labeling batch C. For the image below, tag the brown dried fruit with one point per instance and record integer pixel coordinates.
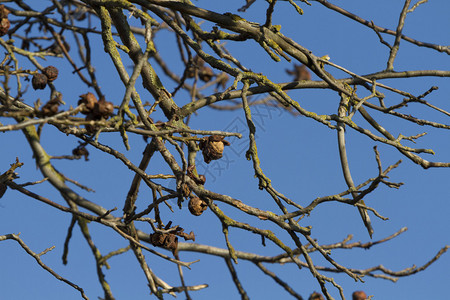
(157, 239)
(197, 63)
(4, 26)
(39, 81)
(212, 147)
(4, 22)
(91, 117)
(197, 206)
(56, 49)
(205, 74)
(222, 80)
(103, 108)
(168, 241)
(51, 107)
(81, 151)
(51, 72)
(316, 296)
(359, 295)
(89, 100)
(300, 73)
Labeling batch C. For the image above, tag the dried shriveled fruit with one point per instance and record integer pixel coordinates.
(168, 241)
(39, 81)
(51, 72)
(103, 108)
(222, 80)
(4, 22)
(300, 73)
(56, 49)
(4, 26)
(359, 295)
(205, 74)
(89, 100)
(212, 147)
(51, 107)
(197, 206)
(316, 296)
(81, 151)
(197, 63)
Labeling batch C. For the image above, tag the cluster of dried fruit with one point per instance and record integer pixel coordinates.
(51, 107)
(95, 110)
(212, 147)
(40, 80)
(205, 73)
(4, 22)
(169, 240)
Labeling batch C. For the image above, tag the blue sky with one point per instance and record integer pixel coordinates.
(299, 155)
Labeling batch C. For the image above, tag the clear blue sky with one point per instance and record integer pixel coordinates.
(299, 155)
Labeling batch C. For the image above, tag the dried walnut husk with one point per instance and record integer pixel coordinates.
(316, 296)
(51, 72)
(197, 206)
(103, 108)
(300, 73)
(168, 241)
(212, 147)
(39, 81)
(4, 22)
(51, 107)
(89, 100)
(359, 295)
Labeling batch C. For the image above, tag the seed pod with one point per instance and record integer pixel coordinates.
(166, 240)
(316, 296)
(222, 80)
(197, 206)
(51, 72)
(56, 49)
(89, 100)
(212, 147)
(4, 26)
(91, 128)
(205, 74)
(4, 22)
(171, 242)
(39, 81)
(359, 295)
(300, 73)
(197, 63)
(103, 108)
(81, 151)
(157, 239)
(51, 107)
